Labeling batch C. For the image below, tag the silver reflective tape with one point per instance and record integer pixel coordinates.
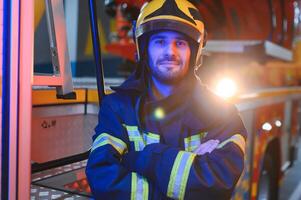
(179, 175)
(105, 138)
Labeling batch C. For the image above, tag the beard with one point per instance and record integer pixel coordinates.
(168, 74)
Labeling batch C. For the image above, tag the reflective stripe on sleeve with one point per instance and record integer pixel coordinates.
(134, 186)
(141, 140)
(105, 138)
(151, 138)
(179, 175)
(193, 142)
(237, 139)
(140, 186)
(139, 190)
(135, 136)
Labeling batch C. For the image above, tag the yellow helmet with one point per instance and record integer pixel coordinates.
(176, 15)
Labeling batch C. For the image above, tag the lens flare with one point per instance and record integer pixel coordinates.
(159, 113)
(226, 88)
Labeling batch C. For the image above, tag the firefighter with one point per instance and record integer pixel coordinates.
(162, 134)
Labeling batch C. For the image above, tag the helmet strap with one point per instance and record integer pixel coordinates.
(134, 22)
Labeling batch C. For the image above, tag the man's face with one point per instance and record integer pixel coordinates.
(169, 55)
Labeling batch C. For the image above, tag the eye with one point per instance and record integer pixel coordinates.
(160, 42)
(181, 43)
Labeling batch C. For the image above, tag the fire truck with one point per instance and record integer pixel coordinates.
(58, 59)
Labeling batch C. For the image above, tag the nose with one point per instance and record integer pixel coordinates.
(170, 49)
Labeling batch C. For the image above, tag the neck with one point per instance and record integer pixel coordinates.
(161, 90)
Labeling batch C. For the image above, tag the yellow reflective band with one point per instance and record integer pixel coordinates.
(192, 142)
(130, 128)
(141, 140)
(105, 138)
(171, 184)
(135, 136)
(145, 189)
(139, 146)
(237, 139)
(185, 176)
(179, 175)
(134, 186)
(140, 187)
(151, 138)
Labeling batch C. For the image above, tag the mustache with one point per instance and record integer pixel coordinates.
(169, 59)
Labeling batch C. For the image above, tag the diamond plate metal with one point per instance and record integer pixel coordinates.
(44, 193)
(57, 137)
(58, 170)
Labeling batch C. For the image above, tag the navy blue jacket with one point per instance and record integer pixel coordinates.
(143, 149)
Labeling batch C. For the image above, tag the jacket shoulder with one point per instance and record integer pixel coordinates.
(210, 102)
(118, 100)
(122, 105)
(207, 109)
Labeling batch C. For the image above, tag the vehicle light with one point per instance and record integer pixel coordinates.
(226, 88)
(278, 123)
(267, 126)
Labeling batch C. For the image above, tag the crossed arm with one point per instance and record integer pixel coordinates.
(211, 171)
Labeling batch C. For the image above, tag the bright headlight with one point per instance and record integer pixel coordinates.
(226, 88)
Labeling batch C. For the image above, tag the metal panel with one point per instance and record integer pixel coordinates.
(277, 51)
(38, 192)
(58, 170)
(65, 135)
(92, 109)
(227, 46)
(62, 77)
(25, 82)
(240, 46)
(250, 105)
(58, 111)
(71, 9)
(18, 68)
(295, 137)
(285, 135)
(257, 101)
(13, 92)
(47, 80)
